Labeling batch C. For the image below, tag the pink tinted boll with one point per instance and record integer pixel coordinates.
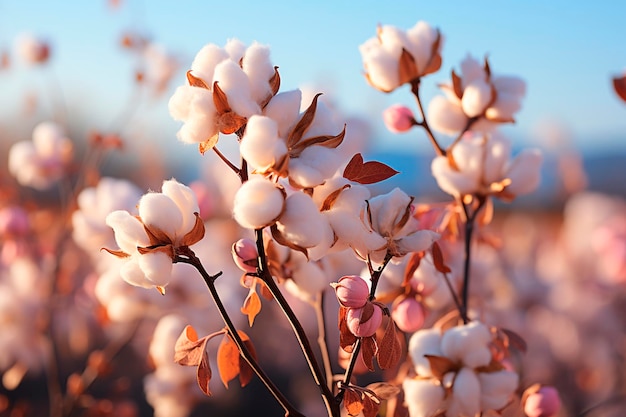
(398, 118)
(352, 291)
(13, 221)
(365, 328)
(543, 403)
(409, 314)
(245, 255)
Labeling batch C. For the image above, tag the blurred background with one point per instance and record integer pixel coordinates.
(564, 251)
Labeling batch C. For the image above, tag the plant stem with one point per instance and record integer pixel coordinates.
(415, 89)
(191, 259)
(318, 373)
(318, 305)
(469, 230)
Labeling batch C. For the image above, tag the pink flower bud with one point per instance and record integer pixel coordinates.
(545, 402)
(409, 314)
(398, 118)
(245, 254)
(362, 326)
(352, 291)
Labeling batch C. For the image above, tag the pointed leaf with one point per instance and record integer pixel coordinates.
(367, 173)
(457, 85)
(619, 85)
(227, 360)
(327, 141)
(118, 253)
(371, 405)
(208, 144)
(407, 67)
(411, 267)
(384, 390)
(438, 259)
(195, 234)
(195, 81)
(188, 349)
(346, 338)
(220, 100)
(440, 365)
(274, 83)
(332, 197)
(390, 350)
(435, 57)
(204, 373)
(369, 350)
(303, 124)
(515, 340)
(251, 306)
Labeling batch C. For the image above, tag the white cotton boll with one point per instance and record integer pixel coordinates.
(22, 161)
(161, 212)
(446, 116)
(186, 201)
(497, 388)
(235, 49)
(505, 106)
(326, 243)
(525, 172)
(124, 309)
(257, 65)
(49, 140)
(468, 343)
(387, 210)
(418, 241)
(198, 130)
(325, 122)
(112, 194)
(301, 223)
(424, 342)
(134, 275)
(476, 96)
(284, 109)
(310, 278)
(129, 231)
(465, 400)
(314, 165)
(423, 397)
(421, 38)
(157, 266)
(451, 181)
(471, 70)
(166, 332)
(236, 85)
(206, 60)
(380, 65)
(497, 156)
(260, 145)
(392, 39)
(258, 203)
(179, 104)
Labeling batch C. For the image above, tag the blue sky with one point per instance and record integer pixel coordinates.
(566, 51)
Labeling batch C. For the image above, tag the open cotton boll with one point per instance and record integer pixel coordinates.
(129, 231)
(49, 140)
(423, 397)
(284, 109)
(205, 61)
(132, 273)
(421, 39)
(260, 145)
(465, 179)
(236, 85)
(160, 212)
(465, 400)
(195, 107)
(525, 172)
(185, 199)
(258, 203)
(166, 332)
(314, 165)
(424, 342)
(310, 278)
(157, 267)
(468, 343)
(471, 69)
(257, 65)
(446, 116)
(476, 97)
(301, 223)
(497, 156)
(497, 388)
(235, 49)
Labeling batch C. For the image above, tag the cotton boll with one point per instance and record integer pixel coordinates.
(310, 278)
(260, 145)
(471, 70)
(160, 212)
(417, 241)
(235, 49)
(236, 85)
(284, 109)
(257, 65)
(314, 165)
(421, 39)
(129, 231)
(465, 400)
(497, 388)
(166, 332)
(497, 156)
(301, 222)
(157, 267)
(525, 172)
(424, 342)
(476, 97)
(186, 201)
(258, 203)
(206, 60)
(132, 273)
(468, 343)
(381, 66)
(423, 397)
(509, 85)
(445, 116)
(49, 140)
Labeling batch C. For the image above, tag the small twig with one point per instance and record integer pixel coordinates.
(415, 89)
(191, 259)
(227, 161)
(318, 305)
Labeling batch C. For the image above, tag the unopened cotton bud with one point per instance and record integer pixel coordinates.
(398, 118)
(245, 254)
(258, 203)
(543, 403)
(361, 326)
(352, 291)
(409, 314)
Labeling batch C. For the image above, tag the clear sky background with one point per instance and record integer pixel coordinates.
(566, 51)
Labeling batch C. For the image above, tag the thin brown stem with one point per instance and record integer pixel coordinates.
(415, 89)
(318, 305)
(319, 375)
(467, 127)
(470, 218)
(227, 161)
(190, 258)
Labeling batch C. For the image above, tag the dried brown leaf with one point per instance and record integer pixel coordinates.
(325, 140)
(619, 85)
(195, 81)
(195, 234)
(245, 370)
(407, 67)
(457, 85)
(384, 390)
(411, 266)
(303, 124)
(188, 349)
(438, 259)
(220, 100)
(346, 338)
(389, 350)
(434, 64)
(204, 373)
(367, 173)
(227, 360)
(230, 122)
(118, 253)
(369, 349)
(208, 144)
(352, 402)
(370, 406)
(440, 365)
(332, 197)
(251, 306)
